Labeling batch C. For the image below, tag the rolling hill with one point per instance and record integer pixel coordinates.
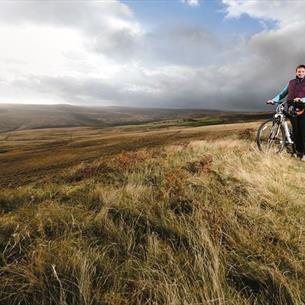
(22, 117)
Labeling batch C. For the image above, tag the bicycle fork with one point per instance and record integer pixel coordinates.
(287, 133)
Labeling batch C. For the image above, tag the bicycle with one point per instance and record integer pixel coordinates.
(275, 134)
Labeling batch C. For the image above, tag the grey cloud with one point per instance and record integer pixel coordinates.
(187, 65)
(282, 50)
(119, 45)
(243, 84)
(83, 14)
(181, 44)
(198, 90)
(90, 91)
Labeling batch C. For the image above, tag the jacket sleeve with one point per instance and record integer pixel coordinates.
(282, 94)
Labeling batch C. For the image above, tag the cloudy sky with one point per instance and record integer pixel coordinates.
(220, 54)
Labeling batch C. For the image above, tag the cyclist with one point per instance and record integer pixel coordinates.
(295, 92)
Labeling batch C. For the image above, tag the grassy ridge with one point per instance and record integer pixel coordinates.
(209, 222)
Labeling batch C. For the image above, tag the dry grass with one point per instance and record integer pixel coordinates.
(29, 156)
(204, 222)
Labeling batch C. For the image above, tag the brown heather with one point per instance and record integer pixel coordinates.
(212, 222)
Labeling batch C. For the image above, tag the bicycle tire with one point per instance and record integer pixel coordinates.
(265, 145)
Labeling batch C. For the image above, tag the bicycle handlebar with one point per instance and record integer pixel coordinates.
(287, 101)
(281, 109)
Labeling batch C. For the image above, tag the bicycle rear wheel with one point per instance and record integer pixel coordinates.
(271, 137)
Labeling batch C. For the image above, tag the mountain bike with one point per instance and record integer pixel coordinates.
(275, 134)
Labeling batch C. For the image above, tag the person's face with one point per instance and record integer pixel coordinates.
(300, 72)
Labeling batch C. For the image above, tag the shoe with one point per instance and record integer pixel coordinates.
(303, 158)
(299, 154)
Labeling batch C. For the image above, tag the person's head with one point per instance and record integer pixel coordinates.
(300, 71)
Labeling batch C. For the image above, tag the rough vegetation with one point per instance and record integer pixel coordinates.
(208, 222)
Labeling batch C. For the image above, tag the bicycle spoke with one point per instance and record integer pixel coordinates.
(270, 137)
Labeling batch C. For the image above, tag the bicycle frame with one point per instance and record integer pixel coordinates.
(281, 118)
(275, 134)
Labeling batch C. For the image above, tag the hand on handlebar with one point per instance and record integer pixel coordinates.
(271, 102)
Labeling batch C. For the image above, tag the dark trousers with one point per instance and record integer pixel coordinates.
(298, 128)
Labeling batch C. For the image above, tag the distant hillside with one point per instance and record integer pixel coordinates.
(21, 117)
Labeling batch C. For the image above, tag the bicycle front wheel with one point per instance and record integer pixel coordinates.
(271, 137)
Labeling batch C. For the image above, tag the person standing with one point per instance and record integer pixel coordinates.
(295, 92)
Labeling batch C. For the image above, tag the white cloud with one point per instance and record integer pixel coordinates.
(285, 12)
(191, 2)
(87, 15)
(102, 22)
(55, 40)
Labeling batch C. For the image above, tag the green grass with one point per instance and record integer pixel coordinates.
(209, 222)
(204, 121)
